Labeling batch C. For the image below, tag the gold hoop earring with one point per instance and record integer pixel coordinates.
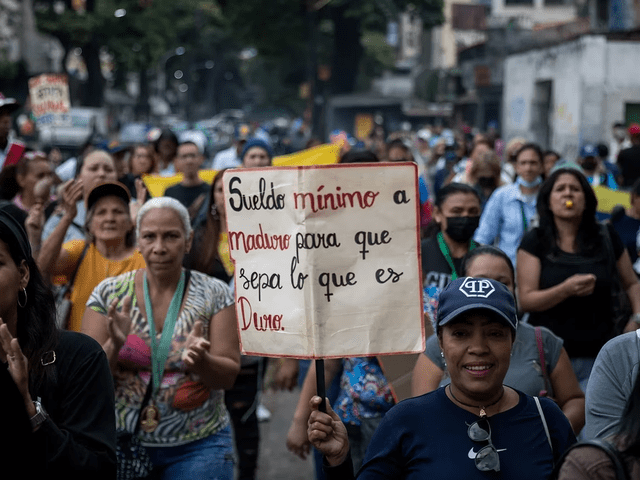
(24, 304)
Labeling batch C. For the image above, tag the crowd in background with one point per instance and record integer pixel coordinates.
(119, 262)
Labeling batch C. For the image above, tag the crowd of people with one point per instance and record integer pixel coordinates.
(117, 316)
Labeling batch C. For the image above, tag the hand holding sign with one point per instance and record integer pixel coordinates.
(327, 432)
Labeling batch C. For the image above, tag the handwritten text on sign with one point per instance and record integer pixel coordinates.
(326, 259)
(49, 93)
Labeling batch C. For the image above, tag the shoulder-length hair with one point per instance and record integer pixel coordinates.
(150, 151)
(37, 331)
(588, 238)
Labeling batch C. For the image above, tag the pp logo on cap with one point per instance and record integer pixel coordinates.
(477, 287)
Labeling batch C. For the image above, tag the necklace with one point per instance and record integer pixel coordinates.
(482, 408)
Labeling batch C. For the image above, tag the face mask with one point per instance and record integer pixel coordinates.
(461, 229)
(487, 182)
(589, 164)
(532, 184)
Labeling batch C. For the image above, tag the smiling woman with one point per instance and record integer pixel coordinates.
(473, 426)
(538, 365)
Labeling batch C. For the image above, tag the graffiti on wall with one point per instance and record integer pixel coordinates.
(564, 118)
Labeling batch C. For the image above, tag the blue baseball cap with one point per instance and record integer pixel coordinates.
(468, 293)
(256, 142)
(588, 150)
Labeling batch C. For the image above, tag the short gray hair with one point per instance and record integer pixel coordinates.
(165, 202)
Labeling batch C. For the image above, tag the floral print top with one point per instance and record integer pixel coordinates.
(364, 390)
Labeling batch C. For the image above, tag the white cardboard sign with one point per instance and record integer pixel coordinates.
(49, 94)
(327, 259)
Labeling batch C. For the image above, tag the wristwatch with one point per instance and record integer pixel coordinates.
(40, 416)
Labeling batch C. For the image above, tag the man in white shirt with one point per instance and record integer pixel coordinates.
(230, 157)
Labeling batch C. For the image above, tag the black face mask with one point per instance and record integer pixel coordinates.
(486, 182)
(589, 164)
(461, 229)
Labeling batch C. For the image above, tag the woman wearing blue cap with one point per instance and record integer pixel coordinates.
(470, 429)
(256, 153)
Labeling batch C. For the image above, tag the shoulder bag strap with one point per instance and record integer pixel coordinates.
(544, 423)
(543, 364)
(72, 278)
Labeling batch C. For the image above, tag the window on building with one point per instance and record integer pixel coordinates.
(558, 2)
(519, 2)
(468, 17)
(631, 113)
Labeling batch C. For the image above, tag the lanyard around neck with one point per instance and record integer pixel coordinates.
(444, 248)
(525, 223)
(160, 350)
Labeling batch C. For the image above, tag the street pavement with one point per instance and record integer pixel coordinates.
(275, 462)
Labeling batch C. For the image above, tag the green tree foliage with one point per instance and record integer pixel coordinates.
(137, 40)
(280, 29)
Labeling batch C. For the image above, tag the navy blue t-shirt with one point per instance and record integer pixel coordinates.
(426, 437)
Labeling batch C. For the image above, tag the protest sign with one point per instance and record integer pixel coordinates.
(49, 94)
(326, 259)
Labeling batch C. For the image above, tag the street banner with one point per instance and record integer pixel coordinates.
(321, 155)
(327, 259)
(49, 94)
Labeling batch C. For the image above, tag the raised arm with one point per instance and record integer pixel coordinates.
(53, 259)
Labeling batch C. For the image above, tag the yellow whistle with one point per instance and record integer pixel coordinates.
(568, 204)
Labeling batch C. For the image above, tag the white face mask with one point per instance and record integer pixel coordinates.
(532, 184)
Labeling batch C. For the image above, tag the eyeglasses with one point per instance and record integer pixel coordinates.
(487, 458)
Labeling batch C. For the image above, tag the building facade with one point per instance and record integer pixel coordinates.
(566, 95)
